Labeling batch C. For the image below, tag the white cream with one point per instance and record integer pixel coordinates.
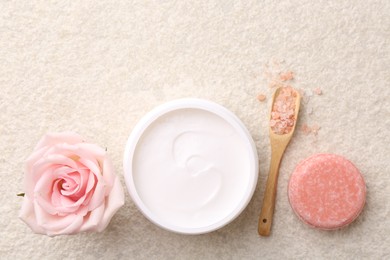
(191, 169)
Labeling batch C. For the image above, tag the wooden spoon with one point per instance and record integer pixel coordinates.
(279, 143)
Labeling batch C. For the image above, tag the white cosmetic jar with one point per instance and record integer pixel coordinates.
(190, 166)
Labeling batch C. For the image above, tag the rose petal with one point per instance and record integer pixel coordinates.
(113, 202)
(93, 219)
(27, 214)
(82, 210)
(91, 151)
(67, 202)
(77, 177)
(63, 170)
(51, 222)
(66, 205)
(69, 187)
(98, 196)
(42, 201)
(57, 225)
(53, 165)
(53, 161)
(92, 166)
(35, 171)
(79, 181)
(31, 178)
(92, 180)
(50, 198)
(56, 195)
(108, 174)
(87, 152)
(90, 191)
(73, 228)
(70, 206)
(43, 192)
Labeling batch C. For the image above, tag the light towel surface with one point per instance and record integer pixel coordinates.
(96, 67)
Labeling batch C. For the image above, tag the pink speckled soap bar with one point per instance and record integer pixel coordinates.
(327, 191)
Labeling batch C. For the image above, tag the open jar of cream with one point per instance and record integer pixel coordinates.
(190, 166)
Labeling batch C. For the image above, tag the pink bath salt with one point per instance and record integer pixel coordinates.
(282, 114)
(261, 97)
(318, 91)
(315, 129)
(306, 129)
(275, 84)
(327, 191)
(289, 75)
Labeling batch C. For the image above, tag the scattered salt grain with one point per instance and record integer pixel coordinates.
(315, 129)
(282, 115)
(261, 97)
(275, 84)
(289, 75)
(305, 129)
(318, 91)
(308, 130)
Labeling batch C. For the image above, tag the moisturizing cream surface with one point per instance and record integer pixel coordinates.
(191, 168)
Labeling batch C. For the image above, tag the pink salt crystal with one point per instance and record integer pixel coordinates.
(289, 75)
(281, 113)
(275, 115)
(261, 97)
(315, 129)
(275, 84)
(306, 129)
(318, 91)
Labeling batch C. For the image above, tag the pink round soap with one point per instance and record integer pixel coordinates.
(327, 191)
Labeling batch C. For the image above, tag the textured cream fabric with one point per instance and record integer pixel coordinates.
(96, 67)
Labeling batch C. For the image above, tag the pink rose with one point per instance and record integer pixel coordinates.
(70, 186)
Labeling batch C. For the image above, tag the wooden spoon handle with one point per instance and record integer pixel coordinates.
(267, 211)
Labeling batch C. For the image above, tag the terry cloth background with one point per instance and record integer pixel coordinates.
(96, 67)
